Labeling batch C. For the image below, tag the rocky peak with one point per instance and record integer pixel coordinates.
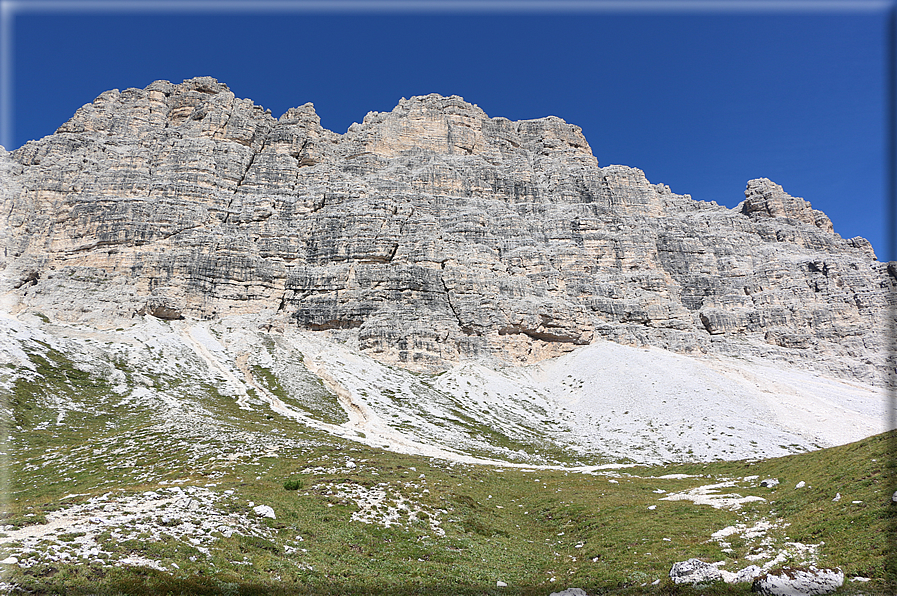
(451, 126)
(304, 114)
(765, 198)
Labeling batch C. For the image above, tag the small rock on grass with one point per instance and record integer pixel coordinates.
(570, 592)
(264, 511)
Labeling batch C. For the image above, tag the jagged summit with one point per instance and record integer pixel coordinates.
(426, 236)
(429, 122)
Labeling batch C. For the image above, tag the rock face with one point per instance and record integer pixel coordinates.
(427, 235)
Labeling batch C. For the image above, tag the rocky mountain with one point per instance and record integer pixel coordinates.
(429, 235)
(441, 352)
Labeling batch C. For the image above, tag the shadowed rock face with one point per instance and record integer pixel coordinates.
(428, 234)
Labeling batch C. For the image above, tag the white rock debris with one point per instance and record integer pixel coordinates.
(384, 406)
(764, 544)
(710, 494)
(384, 506)
(190, 514)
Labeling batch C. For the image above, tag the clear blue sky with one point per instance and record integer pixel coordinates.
(700, 100)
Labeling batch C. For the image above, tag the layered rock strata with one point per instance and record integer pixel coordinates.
(429, 234)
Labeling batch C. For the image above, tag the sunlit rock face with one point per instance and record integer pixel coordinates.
(425, 236)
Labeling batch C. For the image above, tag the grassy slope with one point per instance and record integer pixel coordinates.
(520, 527)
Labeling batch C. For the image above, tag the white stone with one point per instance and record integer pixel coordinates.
(264, 511)
(570, 592)
(748, 574)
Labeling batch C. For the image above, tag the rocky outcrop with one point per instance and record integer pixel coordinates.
(790, 581)
(428, 234)
(764, 198)
(695, 572)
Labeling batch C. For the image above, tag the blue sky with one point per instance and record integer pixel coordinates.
(701, 99)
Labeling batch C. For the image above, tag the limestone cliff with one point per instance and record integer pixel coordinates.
(427, 235)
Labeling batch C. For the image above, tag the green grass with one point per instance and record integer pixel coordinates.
(530, 539)
(315, 400)
(499, 524)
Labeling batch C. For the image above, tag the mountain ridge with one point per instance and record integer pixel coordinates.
(428, 235)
